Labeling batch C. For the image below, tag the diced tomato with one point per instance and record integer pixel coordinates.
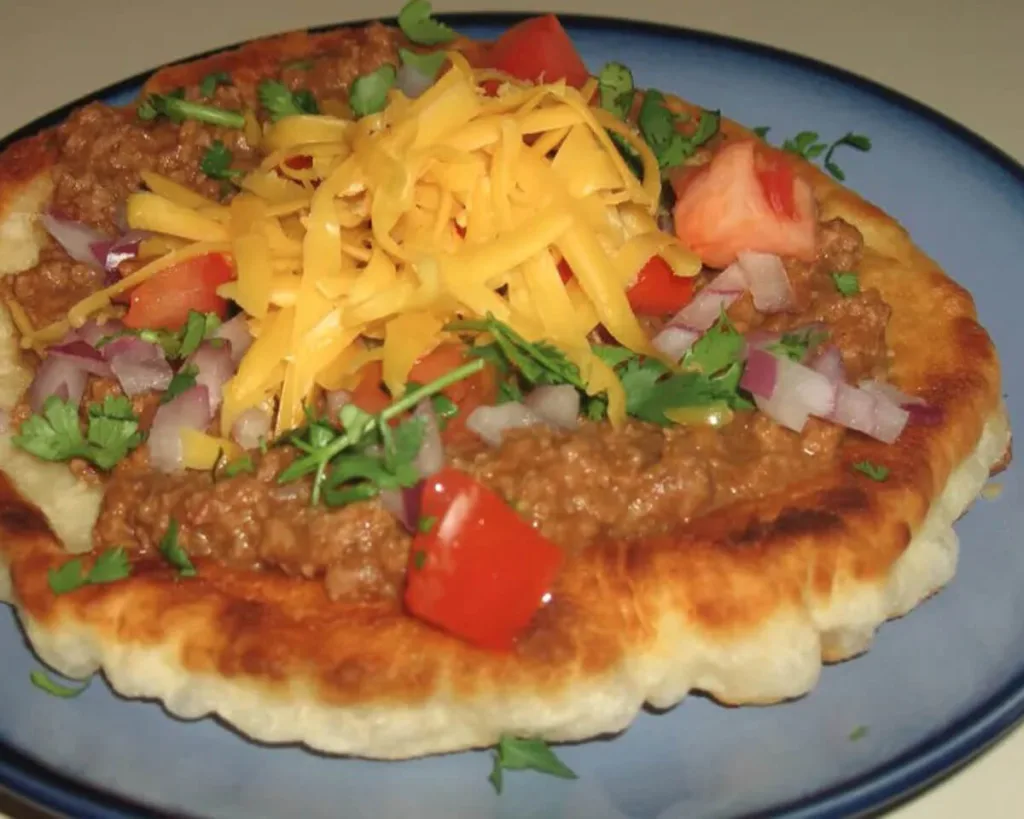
(369, 394)
(467, 394)
(538, 49)
(658, 291)
(748, 198)
(299, 163)
(564, 271)
(481, 572)
(163, 302)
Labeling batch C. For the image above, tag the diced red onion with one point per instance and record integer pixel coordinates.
(214, 367)
(76, 238)
(336, 399)
(927, 415)
(56, 376)
(92, 331)
(799, 392)
(768, 281)
(558, 406)
(236, 333)
(674, 341)
(829, 362)
(411, 82)
(190, 410)
(430, 458)
(872, 414)
(114, 251)
(83, 355)
(760, 373)
(490, 423)
(890, 392)
(138, 365)
(250, 426)
(404, 504)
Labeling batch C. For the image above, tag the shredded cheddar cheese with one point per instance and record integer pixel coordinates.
(454, 204)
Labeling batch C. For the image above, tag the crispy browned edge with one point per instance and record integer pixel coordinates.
(726, 574)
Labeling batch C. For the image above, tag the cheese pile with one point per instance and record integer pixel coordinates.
(453, 204)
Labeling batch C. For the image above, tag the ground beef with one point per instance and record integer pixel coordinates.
(251, 522)
(47, 291)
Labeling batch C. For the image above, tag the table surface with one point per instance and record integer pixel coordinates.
(969, 66)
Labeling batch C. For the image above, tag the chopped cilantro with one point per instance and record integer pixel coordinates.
(808, 145)
(420, 27)
(426, 523)
(41, 680)
(876, 472)
(110, 565)
(177, 109)
(369, 92)
(173, 553)
(796, 344)
(615, 86)
(419, 559)
(526, 754)
(112, 431)
(345, 468)
(280, 102)
(216, 162)
(183, 380)
(805, 144)
(208, 84)
(241, 465)
(846, 282)
(651, 390)
(297, 65)
(199, 327)
(658, 128)
(761, 131)
(426, 65)
(718, 348)
(859, 732)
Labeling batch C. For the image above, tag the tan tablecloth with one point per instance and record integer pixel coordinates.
(964, 59)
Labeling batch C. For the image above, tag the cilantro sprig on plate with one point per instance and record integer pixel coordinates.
(808, 144)
(512, 754)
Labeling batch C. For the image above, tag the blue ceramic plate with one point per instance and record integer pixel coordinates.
(936, 688)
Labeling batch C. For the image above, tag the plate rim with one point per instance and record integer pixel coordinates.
(923, 765)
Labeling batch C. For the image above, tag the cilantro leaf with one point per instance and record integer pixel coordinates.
(419, 557)
(216, 162)
(858, 142)
(858, 733)
(110, 565)
(876, 472)
(416, 23)
(658, 128)
(805, 144)
(239, 466)
(41, 680)
(208, 84)
(173, 553)
(426, 65)
(280, 102)
(796, 344)
(526, 754)
(369, 92)
(199, 327)
(112, 433)
(177, 109)
(426, 523)
(55, 435)
(615, 86)
(719, 347)
(761, 131)
(846, 282)
(182, 381)
(538, 362)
